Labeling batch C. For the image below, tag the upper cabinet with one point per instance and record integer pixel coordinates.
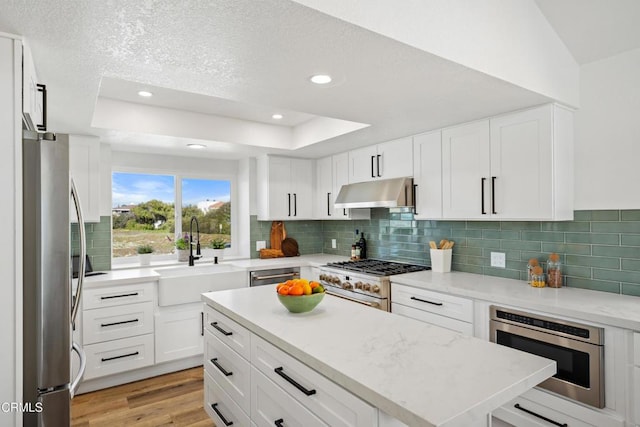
(33, 94)
(427, 175)
(84, 165)
(331, 174)
(517, 166)
(382, 161)
(285, 188)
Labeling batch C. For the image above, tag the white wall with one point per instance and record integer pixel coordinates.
(11, 220)
(607, 134)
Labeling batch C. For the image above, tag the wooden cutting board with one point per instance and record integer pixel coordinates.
(278, 234)
(290, 247)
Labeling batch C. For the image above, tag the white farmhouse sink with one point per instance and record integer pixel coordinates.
(184, 284)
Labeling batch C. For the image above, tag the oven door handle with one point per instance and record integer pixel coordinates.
(274, 276)
(372, 304)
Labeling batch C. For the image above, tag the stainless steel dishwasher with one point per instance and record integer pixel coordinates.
(273, 275)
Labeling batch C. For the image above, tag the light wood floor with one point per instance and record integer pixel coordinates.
(174, 399)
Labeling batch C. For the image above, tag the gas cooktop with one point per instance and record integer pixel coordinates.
(377, 267)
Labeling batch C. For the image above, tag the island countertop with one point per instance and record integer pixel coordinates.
(422, 375)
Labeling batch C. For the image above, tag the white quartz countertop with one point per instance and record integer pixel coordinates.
(422, 375)
(122, 277)
(593, 306)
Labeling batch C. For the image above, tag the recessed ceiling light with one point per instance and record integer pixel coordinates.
(196, 146)
(145, 93)
(277, 116)
(321, 79)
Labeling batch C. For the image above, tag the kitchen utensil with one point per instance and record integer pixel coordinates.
(290, 247)
(433, 245)
(278, 234)
(270, 253)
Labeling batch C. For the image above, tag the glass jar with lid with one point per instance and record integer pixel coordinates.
(554, 271)
(530, 266)
(537, 277)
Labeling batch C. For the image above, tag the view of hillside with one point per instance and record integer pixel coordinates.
(153, 223)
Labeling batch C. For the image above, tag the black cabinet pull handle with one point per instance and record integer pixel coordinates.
(293, 382)
(295, 204)
(106, 359)
(279, 422)
(428, 302)
(493, 195)
(120, 296)
(202, 323)
(104, 325)
(344, 212)
(226, 333)
(542, 417)
(214, 406)
(482, 180)
(224, 371)
(415, 202)
(372, 174)
(289, 202)
(328, 204)
(378, 165)
(43, 88)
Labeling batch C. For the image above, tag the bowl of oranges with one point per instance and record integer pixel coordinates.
(300, 295)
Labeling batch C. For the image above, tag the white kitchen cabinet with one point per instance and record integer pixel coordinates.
(331, 174)
(179, 330)
(222, 409)
(427, 175)
(634, 392)
(84, 164)
(435, 308)
(110, 323)
(518, 166)
(285, 188)
(112, 357)
(33, 94)
(387, 160)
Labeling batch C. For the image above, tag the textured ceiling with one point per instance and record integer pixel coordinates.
(258, 53)
(594, 29)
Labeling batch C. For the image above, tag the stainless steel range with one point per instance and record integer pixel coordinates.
(365, 281)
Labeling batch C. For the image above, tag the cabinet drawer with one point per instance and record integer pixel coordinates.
(333, 404)
(270, 404)
(518, 417)
(228, 331)
(229, 370)
(221, 407)
(118, 356)
(111, 323)
(434, 302)
(433, 319)
(117, 295)
(636, 348)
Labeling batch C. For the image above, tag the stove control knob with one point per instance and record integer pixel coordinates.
(366, 287)
(359, 285)
(336, 280)
(375, 289)
(347, 285)
(323, 277)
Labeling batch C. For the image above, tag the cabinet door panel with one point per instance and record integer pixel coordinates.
(279, 188)
(178, 333)
(84, 164)
(362, 164)
(427, 175)
(394, 159)
(325, 196)
(521, 165)
(465, 163)
(301, 188)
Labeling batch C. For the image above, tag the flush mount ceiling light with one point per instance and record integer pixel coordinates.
(277, 116)
(320, 79)
(145, 93)
(196, 146)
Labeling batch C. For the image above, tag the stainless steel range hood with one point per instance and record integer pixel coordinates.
(383, 193)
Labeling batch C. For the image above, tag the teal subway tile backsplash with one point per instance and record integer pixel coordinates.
(600, 250)
(98, 235)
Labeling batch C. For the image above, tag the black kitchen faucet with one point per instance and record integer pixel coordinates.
(191, 257)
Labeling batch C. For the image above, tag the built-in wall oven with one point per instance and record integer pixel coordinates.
(578, 350)
(273, 275)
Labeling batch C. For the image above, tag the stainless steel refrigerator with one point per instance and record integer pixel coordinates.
(49, 307)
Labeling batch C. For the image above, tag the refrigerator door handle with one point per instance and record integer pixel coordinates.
(83, 365)
(83, 253)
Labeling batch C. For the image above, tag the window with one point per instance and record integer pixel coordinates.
(153, 209)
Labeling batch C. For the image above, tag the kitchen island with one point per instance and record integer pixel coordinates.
(419, 374)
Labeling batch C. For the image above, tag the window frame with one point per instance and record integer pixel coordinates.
(231, 252)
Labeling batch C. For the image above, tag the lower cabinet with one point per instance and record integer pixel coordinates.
(179, 331)
(265, 386)
(112, 357)
(444, 310)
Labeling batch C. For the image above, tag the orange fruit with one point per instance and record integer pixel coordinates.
(313, 284)
(289, 282)
(296, 290)
(279, 285)
(283, 290)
